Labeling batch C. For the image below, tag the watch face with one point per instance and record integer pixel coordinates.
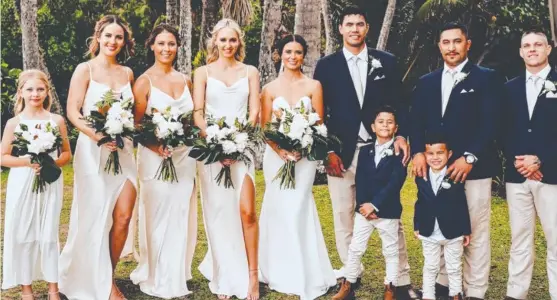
(470, 159)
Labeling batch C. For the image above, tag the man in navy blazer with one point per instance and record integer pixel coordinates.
(356, 81)
(462, 101)
(530, 149)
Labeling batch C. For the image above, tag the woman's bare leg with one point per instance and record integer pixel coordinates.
(251, 234)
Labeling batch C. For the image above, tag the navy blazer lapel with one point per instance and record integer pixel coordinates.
(385, 159)
(345, 76)
(522, 97)
(552, 76)
(467, 69)
(437, 88)
(370, 73)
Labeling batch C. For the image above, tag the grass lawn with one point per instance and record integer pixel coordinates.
(373, 260)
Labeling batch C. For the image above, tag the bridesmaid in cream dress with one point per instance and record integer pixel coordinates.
(102, 202)
(167, 210)
(226, 87)
(293, 256)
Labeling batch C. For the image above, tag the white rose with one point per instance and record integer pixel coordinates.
(241, 138)
(376, 64)
(115, 109)
(48, 138)
(27, 135)
(212, 131)
(229, 147)
(163, 130)
(550, 86)
(321, 130)
(34, 148)
(307, 140)
(113, 127)
(297, 127)
(175, 113)
(388, 152)
(460, 76)
(313, 118)
(221, 135)
(445, 185)
(158, 118)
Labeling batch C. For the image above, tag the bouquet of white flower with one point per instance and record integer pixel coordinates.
(297, 130)
(114, 119)
(38, 142)
(236, 141)
(171, 128)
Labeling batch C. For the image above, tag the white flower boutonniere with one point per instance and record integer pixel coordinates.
(387, 152)
(549, 87)
(460, 76)
(445, 185)
(375, 64)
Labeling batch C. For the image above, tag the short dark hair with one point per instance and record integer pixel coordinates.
(455, 25)
(436, 138)
(352, 10)
(536, 31)
(384, 109)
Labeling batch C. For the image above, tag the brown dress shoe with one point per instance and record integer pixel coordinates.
(389, 292)
(345, 292)
(457, 297)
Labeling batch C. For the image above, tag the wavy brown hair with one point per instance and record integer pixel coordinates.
(101, 24)
(163, 27)
(23, 78)
(212, 49)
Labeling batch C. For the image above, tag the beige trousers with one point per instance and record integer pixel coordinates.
(526, 200)
(477, 256)
(343, 198)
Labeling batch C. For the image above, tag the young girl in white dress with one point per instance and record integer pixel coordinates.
(102, 202)
(293, 256)
(226, 87)
(167, 210)
(32, 220)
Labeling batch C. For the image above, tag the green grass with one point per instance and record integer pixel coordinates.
(371, 287)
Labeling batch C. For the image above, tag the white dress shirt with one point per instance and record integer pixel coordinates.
(436, 179)
(534, 85)
(380, 150)
(360, 86)
(448, 82)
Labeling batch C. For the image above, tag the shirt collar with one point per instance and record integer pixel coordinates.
(348, 55)
(458, 68)
(435, 176)
(542, 74)
(385, 145)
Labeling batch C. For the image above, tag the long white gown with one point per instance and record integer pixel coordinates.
(167, 214)
(31, 225)
(293, 257)
(85, 266)
(225, 265)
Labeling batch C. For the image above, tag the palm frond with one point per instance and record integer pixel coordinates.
(432, 8)
(238, 10)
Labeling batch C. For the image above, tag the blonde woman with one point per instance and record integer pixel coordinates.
(226, 87)
(32, 220)
(167, 210)
(102, 202)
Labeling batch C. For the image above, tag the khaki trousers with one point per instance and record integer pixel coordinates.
(343, 198)
(526, 200)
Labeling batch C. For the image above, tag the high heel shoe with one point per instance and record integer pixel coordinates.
(53, 293)
(27, 296)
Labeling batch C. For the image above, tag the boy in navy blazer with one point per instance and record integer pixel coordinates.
(380, 175)
(441, 219)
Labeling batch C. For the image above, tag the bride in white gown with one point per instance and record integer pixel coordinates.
(293, 256)
(226, 87)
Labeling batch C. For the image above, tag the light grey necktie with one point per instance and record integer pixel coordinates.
(447, 89)
(357, 79)
(532, 92)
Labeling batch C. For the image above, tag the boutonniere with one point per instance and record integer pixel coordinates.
(549, 87)
(460, 76)
(387, 152)
(375, 64)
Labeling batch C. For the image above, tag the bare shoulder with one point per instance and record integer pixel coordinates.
(185, 76)
(315, 84)
(58, 119)
(252, 71)
(129, 71)
(200, 72)
(269, 88)
(12, 123)
(143, 79)
(82, 70)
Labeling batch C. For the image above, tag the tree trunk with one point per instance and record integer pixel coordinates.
(173, 12)
(184, 52)
(32, 56)
(208, 20)
(307, 23)
(331, 33)
(271, 23)
(386, 27)
(553, 20)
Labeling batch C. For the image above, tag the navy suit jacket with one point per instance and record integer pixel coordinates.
(342, 107)
(523, 135)
(380, 185)
(471, 119)
(449, 206)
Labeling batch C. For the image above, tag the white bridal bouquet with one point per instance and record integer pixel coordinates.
(38, 142)
(237, 141)
(171, 128)
(297, 130)
(114, 119)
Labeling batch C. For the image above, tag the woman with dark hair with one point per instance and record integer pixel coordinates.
(167, 210)
(103, 202)
(293, 256)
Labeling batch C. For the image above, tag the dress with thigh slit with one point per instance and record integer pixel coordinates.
(85, 267)
(226, 264)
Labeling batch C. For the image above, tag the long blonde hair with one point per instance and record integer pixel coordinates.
(212, 49)
(23, 78)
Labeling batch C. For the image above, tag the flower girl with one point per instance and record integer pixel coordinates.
(34, 146)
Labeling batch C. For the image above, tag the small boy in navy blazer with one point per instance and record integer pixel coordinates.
(380, 176)
(441, 219)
